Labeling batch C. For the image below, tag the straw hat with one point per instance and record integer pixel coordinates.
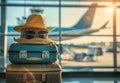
(34, 21)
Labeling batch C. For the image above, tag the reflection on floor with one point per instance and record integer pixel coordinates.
(91, 80)
(85, 80)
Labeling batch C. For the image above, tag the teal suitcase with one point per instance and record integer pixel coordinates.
(33, 53)
(33, 73)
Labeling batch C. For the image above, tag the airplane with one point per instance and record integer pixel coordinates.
(81, 28)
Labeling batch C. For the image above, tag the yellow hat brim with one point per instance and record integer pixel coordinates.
(19, 28)
(34, 41)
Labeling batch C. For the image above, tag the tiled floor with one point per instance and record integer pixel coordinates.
(91, 80)
(85, 80)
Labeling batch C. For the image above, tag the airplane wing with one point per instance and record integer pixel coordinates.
(104, 26)
(87, 32)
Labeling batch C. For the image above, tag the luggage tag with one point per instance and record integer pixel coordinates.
(23, 54)
(45, 54)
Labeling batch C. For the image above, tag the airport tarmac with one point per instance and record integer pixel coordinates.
(105, 60)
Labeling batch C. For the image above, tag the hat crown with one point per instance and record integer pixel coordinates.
(36, 20)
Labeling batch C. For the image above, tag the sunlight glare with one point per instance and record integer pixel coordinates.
(110, 10)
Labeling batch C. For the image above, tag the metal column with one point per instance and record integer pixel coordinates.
(60, 32)
(114, 36)
(2, 37)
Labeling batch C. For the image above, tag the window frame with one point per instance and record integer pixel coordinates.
(4, 4)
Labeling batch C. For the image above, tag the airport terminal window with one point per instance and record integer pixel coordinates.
(74, 51)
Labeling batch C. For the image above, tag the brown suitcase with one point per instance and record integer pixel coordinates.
(33, 73)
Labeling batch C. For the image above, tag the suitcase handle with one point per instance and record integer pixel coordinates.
(33, 59)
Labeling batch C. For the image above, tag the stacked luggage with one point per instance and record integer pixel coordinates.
(34, 55)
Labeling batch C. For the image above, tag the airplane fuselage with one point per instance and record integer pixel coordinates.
(65, 33)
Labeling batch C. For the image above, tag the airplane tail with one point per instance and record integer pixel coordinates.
(87, 18)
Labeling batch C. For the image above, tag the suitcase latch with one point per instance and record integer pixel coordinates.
(23, 54)
(45, 54)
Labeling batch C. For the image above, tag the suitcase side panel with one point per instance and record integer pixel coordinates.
(33, 51)
(40, 77)
(33, 67)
